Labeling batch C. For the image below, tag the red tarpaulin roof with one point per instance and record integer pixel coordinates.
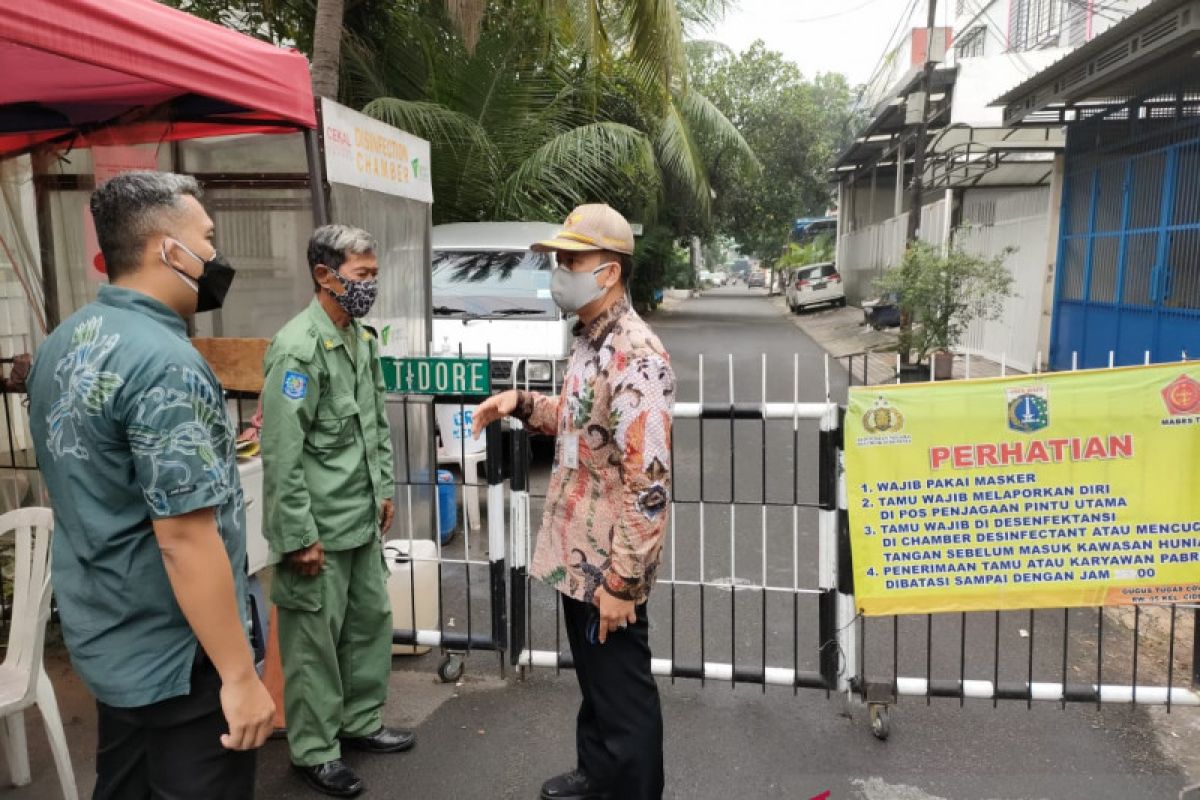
(72, 65)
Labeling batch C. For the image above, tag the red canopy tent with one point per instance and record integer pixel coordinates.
(75, 66)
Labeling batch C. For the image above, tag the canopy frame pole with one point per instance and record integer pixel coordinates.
(314, 149)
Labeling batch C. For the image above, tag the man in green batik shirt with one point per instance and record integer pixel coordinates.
(328, 479)
(149, 548)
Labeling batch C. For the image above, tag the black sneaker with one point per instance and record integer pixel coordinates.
(573, 785)
(333, 778)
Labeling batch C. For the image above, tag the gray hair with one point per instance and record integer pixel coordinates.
(130, 208)
(331, 245)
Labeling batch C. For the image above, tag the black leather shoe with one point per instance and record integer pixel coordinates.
(333, 778)
(384, 740)
(573, 785)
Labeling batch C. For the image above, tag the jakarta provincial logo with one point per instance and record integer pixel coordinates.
(883, 417)
(1182, 396)
(1028, 408)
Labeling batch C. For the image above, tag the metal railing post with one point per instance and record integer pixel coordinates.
(518, 543)
(496, 540)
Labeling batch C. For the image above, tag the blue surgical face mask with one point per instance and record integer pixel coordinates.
(574, 290)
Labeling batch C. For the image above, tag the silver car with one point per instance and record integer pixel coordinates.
(815, 284)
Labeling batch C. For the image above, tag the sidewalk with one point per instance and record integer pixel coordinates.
(843, 334)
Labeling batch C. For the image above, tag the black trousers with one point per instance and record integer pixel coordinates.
(172, 750)
(619, 731)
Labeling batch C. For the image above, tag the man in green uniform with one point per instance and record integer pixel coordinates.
(328, 479)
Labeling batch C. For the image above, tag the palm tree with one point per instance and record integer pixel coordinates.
(327, 47)
(531, 113)
(531, 106)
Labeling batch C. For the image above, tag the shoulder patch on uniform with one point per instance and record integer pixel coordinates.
(295, 385)
(369, 333)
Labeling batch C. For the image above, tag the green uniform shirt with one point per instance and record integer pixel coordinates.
(130, 425)
(327, 450)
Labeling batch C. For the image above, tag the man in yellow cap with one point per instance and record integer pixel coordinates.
(606, 508)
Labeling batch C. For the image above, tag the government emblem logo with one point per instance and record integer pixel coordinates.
(883, 417)
(1028, 408)
(295, 385)
(1182, 396)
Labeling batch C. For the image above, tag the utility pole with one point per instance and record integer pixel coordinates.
(918, 173)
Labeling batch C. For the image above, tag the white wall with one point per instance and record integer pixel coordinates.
(863, 255)
(993, 219)
(982, 80)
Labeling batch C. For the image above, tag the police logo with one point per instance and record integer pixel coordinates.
(882, 418)
(295, 385)
(1028, 408)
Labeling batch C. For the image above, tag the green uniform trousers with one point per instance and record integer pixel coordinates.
(335, 641)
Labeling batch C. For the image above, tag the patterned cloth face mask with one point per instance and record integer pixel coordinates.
(359, 296)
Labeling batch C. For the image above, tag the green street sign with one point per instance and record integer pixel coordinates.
(451, 376)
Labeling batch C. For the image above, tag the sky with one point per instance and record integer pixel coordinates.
(846, 36)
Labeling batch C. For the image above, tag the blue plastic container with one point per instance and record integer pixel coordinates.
(447, 505)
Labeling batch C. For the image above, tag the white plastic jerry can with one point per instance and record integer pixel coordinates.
(412, 588)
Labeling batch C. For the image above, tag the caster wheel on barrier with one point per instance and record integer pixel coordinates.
(880, 722)
(451, 668)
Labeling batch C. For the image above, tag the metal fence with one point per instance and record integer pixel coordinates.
(462, 607)
(757, 588)
(748, 589)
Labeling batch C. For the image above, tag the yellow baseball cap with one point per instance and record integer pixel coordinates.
(591, 227)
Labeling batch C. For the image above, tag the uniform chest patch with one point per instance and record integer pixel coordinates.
(295, 385)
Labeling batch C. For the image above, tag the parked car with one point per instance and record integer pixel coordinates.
(756, 280)
(815, 284)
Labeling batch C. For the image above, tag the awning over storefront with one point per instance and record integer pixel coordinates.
(1151, 56)
(72, 67)
(959, 156)
(878, 140)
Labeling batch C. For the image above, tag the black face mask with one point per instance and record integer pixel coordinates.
(213, 283)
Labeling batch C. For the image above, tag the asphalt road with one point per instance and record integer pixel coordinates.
(494, 738)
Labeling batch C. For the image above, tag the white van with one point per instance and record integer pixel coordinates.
(490, 289)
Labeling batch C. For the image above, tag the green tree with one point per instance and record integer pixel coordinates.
(820, 249)
(531, 106)
(794, 126)
(944, 293)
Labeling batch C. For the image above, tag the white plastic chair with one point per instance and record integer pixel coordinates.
(23, 679)
(456, 446)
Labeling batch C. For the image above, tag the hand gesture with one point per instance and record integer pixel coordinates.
(492, 409)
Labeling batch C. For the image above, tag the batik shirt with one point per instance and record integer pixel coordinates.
(129, 425)
(607, 504)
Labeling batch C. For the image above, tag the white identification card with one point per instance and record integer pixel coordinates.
(570, 451)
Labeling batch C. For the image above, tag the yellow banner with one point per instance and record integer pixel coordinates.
(1066, 489)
